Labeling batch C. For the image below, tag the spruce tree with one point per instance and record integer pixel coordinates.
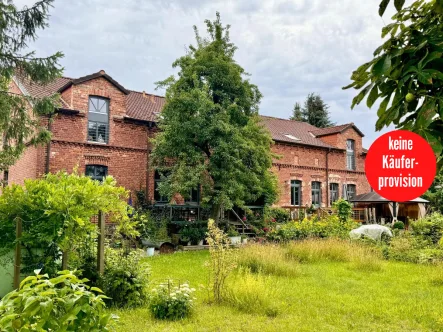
(297, 113)
(314, 111)
(20, 114)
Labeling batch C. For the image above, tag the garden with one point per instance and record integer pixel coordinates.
(293, 275)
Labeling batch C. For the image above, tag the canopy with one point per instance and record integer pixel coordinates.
(373, 197)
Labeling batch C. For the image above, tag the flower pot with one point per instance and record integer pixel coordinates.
(235, 239)
(150, 252)
(200, 243)
(244, 241)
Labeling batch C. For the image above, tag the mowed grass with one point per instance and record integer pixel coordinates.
(330, 294)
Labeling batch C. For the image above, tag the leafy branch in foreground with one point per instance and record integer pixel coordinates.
(406, 73)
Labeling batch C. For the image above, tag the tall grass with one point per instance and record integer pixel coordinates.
(253, 293)
(362, 257)
(267, 259)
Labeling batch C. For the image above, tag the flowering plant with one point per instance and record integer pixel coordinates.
(171, 302)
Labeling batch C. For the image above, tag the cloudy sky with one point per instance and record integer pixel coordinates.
(290, 47)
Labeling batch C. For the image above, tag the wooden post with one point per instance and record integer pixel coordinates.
(18, 253)
(101, 243)
(366, 215)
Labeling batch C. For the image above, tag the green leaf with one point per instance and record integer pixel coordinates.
(382, 66)
(373, 95)
(385, 30)
(382, 7)
(96, 289)
(383, 106)
(361, 96)
(399, 4)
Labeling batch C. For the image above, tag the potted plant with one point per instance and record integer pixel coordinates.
(234, 236)
(244, 239)
(193, 234)
(152, 232)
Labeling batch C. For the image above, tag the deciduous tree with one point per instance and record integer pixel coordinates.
(210, 132)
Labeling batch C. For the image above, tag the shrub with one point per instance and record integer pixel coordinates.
(267, 259)
(63, 303)
(429, 228)
(125, 278)
(278, 215)
(193, 233)
(171, 302)
(252, 293)
(222, 260)
(327, 227)
(398, 225)
(151, 228)
(344, 209)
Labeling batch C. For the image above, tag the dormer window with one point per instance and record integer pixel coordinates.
(350, 154)
(292, 137)
(98, 120)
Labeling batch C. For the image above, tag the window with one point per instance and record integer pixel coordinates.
(158, 178)
(316, 193)
(350, 154)
(98, 120)
(333, 193)
(194, 196)
(96, 172)
(296, 192)
(350, 191)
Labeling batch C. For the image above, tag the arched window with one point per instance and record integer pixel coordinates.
(350, 154)
(96, 172)
(98, 119)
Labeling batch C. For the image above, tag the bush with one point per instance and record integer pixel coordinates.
(278, 215)
(252, 294)
(327, 227)
(125, 278)
(344, 209)
(171, 302)
(267, 259)
(398, 225)
(151, 228)
(192, 233)
(429, 228)
(63, 303)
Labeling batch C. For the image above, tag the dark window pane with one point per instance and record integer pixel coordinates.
(316, 193)
(194, 196)
(96, 172)
(333, 193)
(98, 120)
(295, 192)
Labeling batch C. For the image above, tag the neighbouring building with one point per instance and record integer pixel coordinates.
(103, 128)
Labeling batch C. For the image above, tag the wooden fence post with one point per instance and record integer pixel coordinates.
(101, 243)
(18, 253)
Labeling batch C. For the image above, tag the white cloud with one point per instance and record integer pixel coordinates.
(291, 48)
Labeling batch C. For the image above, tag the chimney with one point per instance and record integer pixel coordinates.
(144, 94)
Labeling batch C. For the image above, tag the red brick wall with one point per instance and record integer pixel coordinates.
(308, 164)
(25, 167)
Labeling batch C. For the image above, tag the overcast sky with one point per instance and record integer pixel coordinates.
(290, 47)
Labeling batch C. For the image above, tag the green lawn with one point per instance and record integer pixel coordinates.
(325, 297)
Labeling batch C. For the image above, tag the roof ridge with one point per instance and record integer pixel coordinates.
(150, 94)
(274, 117)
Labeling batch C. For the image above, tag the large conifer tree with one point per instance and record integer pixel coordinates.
(19, 115)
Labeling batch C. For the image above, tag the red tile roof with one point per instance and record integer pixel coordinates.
(146, 107)
(140, 106)
(283, 130)
(335, 130)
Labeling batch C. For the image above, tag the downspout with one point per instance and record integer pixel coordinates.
(48, 146)
(327, 177)
(148, 169)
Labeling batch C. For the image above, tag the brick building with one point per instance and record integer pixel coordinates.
(103, 128)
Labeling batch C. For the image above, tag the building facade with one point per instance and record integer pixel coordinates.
(103, 128)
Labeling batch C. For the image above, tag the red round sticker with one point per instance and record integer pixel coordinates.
(400, 166)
